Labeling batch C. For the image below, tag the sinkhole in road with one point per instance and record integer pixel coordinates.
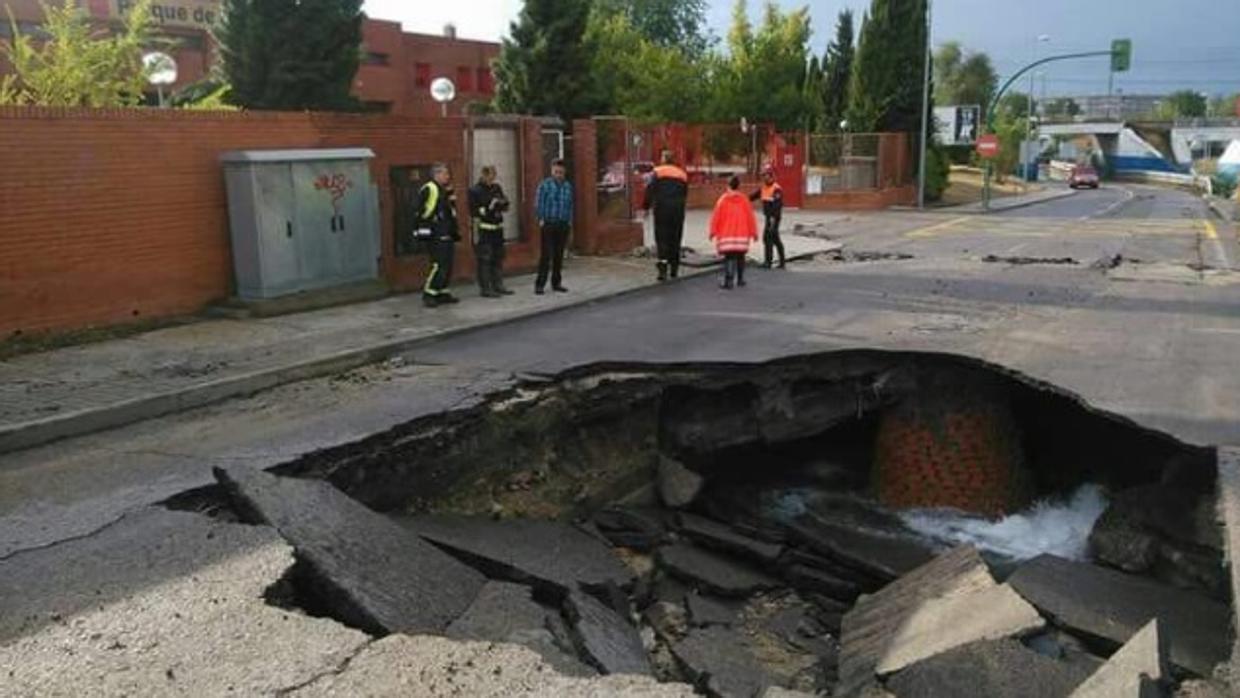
(715, 523)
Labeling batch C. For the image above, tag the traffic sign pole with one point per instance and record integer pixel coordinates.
(1120, 54)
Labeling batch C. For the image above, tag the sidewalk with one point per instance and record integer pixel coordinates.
(82, 389)
(77, 390)
(1008, 203)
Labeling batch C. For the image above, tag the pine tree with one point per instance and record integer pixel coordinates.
(885, 92)
(837, 73)
(544, 65)
(292, 54)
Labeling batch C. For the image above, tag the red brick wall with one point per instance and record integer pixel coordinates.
(112, 216)
(592, 234)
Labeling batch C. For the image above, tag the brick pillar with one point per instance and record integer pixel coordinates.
(585, 165)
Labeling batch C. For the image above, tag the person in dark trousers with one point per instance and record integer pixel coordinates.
(772, 197)
(554, 208)
(437, 228)
(732, 227)
(667, 193)
(487, 205)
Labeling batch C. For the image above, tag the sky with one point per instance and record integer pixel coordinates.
(1177, 44)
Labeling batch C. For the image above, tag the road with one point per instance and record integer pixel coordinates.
(143, 597)
(1151, 332)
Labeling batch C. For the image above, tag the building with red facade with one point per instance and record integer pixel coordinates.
(397, 66)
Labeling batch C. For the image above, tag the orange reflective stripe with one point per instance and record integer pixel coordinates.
(769, 191)
(670, 172)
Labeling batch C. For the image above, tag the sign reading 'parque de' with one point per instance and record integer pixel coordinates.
(198, 14)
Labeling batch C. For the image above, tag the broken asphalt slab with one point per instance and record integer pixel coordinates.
(871, 627)
(372, 573)
(884, 556)
(1114, 606)
(988, 670)
(1135, 671)
(713, 534)
(548, 554)
(719, 661)
(506, 612)
(944, 623)
(610, 642)
(713, 573)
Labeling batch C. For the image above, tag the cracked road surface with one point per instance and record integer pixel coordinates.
(1152, 333)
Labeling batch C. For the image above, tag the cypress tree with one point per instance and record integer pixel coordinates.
(837, 73)
(885, 92)
(291, 54)
(544, 65)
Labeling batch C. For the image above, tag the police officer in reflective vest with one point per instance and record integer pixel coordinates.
(487, 205)
(667, 193)
(437, 229)
(772, 197)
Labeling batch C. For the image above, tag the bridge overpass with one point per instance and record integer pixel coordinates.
(1151, 146)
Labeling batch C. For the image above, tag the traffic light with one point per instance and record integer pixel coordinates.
(1121, 55)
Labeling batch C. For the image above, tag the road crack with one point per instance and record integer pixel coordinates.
(337, 670)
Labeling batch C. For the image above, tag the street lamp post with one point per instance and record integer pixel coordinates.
(161, 71)
(443, 91)
(1042, 39)
(925, 109)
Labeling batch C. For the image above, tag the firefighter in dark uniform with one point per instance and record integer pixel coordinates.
(667, 193)
(772, 197)
(487, 205)
(438, 231)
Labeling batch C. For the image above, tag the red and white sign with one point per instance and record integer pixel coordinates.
(988, 145)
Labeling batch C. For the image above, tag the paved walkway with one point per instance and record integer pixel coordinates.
(77, 390)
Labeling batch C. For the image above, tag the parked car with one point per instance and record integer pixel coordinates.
(1083, 176)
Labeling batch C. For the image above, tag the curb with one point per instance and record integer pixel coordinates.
(39, 432)
(1220, 210)
(1053, 196)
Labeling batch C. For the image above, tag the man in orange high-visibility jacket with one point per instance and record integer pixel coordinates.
(667, 193)
(772, 196)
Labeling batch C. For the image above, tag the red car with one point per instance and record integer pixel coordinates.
(1083, 176)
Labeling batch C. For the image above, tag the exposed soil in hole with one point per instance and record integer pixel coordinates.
(715, 524)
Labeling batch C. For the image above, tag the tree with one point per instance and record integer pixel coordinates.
(1185, 104)
(1014, 106)
(763, 77)
(544, 66)
(885, 93)
(72, 66)
(642, 79)
(676, 24)
(963, 79)
(837, 72)
(291, 54)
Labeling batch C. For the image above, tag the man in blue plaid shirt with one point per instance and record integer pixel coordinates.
(554, 207)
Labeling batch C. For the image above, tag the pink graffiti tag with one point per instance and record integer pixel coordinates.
(337, 184)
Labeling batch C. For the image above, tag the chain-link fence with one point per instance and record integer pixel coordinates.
(857, 161)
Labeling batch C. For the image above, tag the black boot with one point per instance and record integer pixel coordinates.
(662, 270)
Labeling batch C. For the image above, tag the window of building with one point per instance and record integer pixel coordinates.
(465, 79)
(375, 58)
(422, 74)
(486, 82)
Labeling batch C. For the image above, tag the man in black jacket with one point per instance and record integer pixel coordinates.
(487, 205)
(772, 197)
(437, 228)
(667, 194)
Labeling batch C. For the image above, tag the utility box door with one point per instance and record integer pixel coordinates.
(278, 240)
(357, 231)
(317, 186)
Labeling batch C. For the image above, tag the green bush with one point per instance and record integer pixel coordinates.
(938, 171)
(1224, 185)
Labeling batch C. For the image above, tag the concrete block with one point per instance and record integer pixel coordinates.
(1132, 672)
(944, 623)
